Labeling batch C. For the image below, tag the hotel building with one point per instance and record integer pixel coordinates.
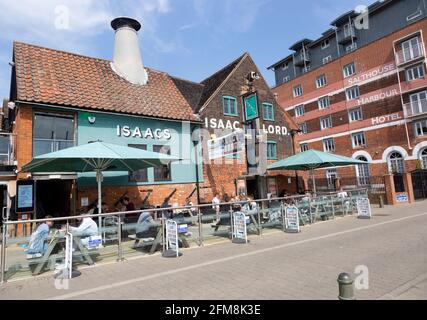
(360, 91)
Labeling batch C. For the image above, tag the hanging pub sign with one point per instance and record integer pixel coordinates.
(250, 103)
(364, 208)
(292, 219)
(229, 145)
(24, 196)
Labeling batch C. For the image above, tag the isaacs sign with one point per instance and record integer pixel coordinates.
(220, 124)
(144, 133)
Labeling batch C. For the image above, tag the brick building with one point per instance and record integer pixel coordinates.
(360, 91)
(220, 101)
(62, 99)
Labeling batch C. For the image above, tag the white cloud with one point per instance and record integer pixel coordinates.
(72, 24)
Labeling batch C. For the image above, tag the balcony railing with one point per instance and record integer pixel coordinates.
(412, 53)
(415, 108)
(302, 59)
(6, 150)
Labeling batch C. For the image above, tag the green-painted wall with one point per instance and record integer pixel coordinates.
(105, 129)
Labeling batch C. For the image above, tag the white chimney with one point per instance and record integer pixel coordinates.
(127, 61)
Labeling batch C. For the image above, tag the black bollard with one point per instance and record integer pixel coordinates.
(345, 286)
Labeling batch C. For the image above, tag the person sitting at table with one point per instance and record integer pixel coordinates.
(86, 229)
(167, 214)
(190, 206)
(38, 240)
(144, 226)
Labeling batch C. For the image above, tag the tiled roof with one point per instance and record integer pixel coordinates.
(60, 78)
(214, 81)
(192, 91)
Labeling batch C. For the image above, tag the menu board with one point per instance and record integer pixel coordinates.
(239, 228)
(24, 196)
(364, 208)
(292, 219)
(172, 236)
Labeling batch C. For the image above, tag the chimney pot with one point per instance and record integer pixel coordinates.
(127, 60)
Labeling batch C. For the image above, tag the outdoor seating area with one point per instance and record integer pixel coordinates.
(198, 227)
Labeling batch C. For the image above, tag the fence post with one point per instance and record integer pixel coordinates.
(199, 217)
(119, 239)
(232, 223)
(309, 210)
(259, 220)
(333, 206)
(3, 254)
(163, 232)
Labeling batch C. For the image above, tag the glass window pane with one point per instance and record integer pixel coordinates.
(140, 175)
(162, 173)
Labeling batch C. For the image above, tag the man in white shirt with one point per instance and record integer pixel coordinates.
(86, 229)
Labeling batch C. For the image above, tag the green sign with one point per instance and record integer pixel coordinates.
(251, 107)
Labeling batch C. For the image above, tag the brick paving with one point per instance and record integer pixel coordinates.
(393, 245)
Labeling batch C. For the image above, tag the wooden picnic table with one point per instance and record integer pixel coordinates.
(48, 256)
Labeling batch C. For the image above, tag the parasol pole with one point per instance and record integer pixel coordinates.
(314, 182)
(99, 180)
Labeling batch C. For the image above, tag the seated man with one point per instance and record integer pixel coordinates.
(86, 229)
(38, 241)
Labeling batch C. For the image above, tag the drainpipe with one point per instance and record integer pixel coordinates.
(401, 99)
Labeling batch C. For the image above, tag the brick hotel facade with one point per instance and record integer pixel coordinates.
(361, 92)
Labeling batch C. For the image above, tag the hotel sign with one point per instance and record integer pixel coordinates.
(386, 118)
(378, 97)
(371, 74)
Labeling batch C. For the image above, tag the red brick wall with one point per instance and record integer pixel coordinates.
(23, 129)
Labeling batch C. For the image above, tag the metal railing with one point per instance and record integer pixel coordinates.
(414, 52)
(203, 224)
(415, 108)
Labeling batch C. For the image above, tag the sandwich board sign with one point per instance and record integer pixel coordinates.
(240, 234)
(172, 245)
(364, 208)
(292, 219)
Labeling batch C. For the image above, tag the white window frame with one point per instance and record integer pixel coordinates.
(322, 105)
(418, 104)
(299, 108)
(423, 158)
(326, 122)
(331, 175)
(410, 49)
(348, 30)
(349, 69)
(286, 79)
(398, 163)
(351, 47)
(419, 127)
(325, 44)
(303, 127)
(298, 90)
(285, 66)
(321, 81)
(304, 147)
(327, 59)
(357, 110)
(415, 72)
(362, 171)
(414, 15)
(358, 140)
(328, 145)
(352, 93)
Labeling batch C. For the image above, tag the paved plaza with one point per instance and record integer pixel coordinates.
(392, 245)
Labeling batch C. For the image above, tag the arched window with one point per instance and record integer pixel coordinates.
(396, 164)
(423, 159)
(363, 171)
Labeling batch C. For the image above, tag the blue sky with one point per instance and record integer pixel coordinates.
(186, 38)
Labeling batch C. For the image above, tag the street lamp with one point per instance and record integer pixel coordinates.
(293, 132)
(195, 136)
